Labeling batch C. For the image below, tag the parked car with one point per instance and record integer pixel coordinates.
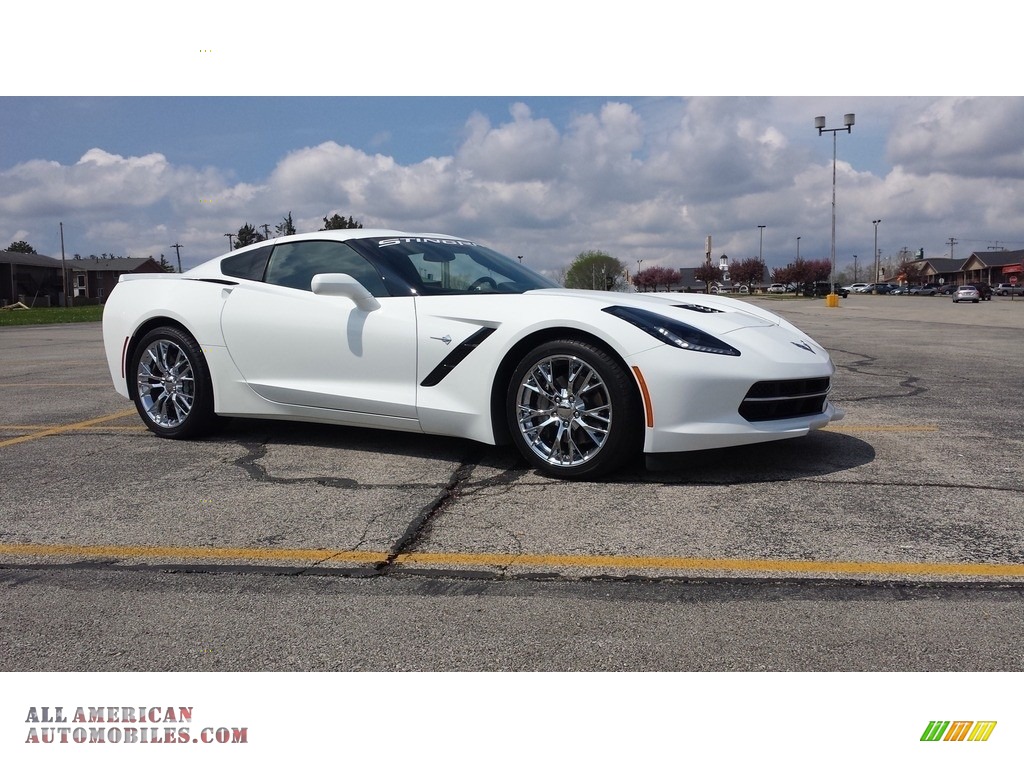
(777, 288)
(882, 288)
(857, 287)
(929, 289)
(984, 290)
(1009, 289)
(433, 334)
(823, 289)
(948, 289)
(966, 293)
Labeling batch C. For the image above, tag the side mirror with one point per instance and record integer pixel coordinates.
(340, 284)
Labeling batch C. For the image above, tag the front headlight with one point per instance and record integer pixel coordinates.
(672, 332)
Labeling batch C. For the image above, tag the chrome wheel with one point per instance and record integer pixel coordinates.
(563, 410)
(171, 385)
(166, 384)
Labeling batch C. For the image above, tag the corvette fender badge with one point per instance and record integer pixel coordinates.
(803, 345)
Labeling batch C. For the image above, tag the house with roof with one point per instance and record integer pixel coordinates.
(31, 278)
(993, 266)
(94, 278)
(941, 270)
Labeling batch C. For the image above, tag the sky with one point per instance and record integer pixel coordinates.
(183, 136)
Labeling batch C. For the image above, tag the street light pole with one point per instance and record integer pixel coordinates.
(874, 277)
(855, 267)
(760, 249)
(798, 248)
(819, 123)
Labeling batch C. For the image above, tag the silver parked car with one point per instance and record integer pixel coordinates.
(1010, 289)
(966, 293)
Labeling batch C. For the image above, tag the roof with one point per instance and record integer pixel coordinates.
(998, 258)
(92, 264)
(943, 266)
(28, 259)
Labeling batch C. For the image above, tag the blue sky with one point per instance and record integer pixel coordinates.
(84, 142)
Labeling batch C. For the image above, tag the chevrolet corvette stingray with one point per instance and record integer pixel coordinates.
(440, 335)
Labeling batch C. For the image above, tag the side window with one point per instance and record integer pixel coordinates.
(293, 265)
(249, 265)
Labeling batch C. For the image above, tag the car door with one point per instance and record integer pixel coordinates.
(302, 349)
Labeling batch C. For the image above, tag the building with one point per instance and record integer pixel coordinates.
(31, 278)
(993, 266)
(94, 278)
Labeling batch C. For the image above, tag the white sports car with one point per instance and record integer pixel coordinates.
(436, 334)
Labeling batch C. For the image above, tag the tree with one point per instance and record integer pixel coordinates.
(748, 272)
(286, 227)
(803, 271)
(909, 271)
(340, 222)
(21, 247)
(655, 277)
(708, 273)
(247, 235)
(595, 270)
(165, 265)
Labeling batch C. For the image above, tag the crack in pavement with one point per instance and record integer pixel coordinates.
(859, 367)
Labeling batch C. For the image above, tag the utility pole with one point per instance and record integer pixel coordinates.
(63, 265)
(231, 242)
(177, 250)
(951, 242)
(266, 231)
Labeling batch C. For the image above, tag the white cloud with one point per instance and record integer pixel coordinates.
(642, 180)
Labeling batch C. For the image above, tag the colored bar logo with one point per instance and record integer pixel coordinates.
(958, 730)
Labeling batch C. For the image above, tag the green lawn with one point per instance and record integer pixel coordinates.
(47, 315)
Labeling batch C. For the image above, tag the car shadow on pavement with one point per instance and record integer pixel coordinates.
(816, 455)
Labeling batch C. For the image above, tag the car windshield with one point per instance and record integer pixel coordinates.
(431, 266)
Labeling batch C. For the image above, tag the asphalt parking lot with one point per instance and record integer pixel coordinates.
(921, 479)
(921, 483)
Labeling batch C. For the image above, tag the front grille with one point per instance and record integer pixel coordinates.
(772, 400)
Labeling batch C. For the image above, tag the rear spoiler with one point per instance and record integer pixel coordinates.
(150, 276)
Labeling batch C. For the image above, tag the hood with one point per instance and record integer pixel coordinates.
(717, 314)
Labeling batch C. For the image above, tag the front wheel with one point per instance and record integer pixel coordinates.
(172, 389)
(574, 411)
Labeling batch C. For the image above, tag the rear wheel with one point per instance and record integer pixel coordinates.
(172, 389)
(574, 411)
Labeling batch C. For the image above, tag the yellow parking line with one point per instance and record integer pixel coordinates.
(716, 564)
(35, 427)
(46, 386)
(67, 428)
(499, 560)
(202, 553)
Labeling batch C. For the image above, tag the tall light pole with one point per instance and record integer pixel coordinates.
(855, 267)
(819, 123)
(638, 263)
(798, 247)
(760, 248)
(874, 277)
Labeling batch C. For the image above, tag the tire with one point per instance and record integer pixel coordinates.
(171, 384)
(574, 412)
